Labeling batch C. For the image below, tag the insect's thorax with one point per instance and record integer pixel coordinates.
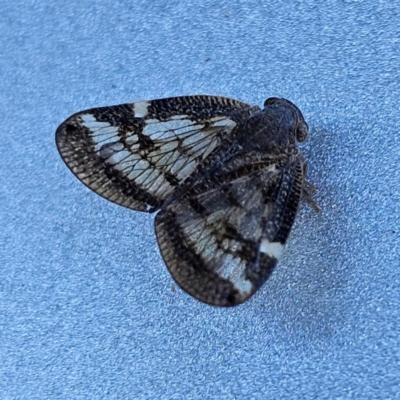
(270, 131)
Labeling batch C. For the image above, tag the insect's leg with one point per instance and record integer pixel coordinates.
(307, 195)
(309, 190)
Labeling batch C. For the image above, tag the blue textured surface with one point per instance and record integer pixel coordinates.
(88, 309)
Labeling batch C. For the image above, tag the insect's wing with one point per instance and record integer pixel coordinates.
(136, 154)
(221, 246)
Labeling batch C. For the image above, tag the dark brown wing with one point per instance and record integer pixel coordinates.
(221, 245)
(136, 154)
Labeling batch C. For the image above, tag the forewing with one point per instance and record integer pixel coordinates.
(221, 246)
(136, 154)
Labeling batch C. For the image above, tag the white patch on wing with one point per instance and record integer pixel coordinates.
(233, 269)
(159, 181)
(183, 116)
(169, 146)
(116, 159)
(137, 169)
(186, 170)
(272, 249)
(199, 147)
(163, 189)
(201, 239)
(101, 133)
(168, 129)
(126, 164)
(105, 131)
(132, 139)
(210, 148)
(134, 147)
(180, 161)
(226, 266)
(144, 176)
(91, 122)
(133, 174)
(196, 137)
(152, 121)
(226, 123)
(140, 108)
(164, 159)
(142, 165)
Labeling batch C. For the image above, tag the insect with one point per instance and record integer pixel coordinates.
(226, 179)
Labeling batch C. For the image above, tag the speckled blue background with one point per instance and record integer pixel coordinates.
(88, 309)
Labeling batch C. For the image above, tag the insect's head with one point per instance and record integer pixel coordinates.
(302, 127)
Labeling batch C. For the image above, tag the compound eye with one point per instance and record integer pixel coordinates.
(302, 131)
(271, 100)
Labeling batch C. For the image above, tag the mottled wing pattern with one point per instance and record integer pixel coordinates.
(222, 244)
(136, 154)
